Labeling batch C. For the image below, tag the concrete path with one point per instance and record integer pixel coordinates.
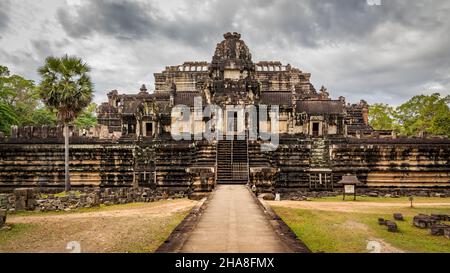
(233, 223)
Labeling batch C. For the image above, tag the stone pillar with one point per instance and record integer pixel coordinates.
(138, 128)
(393, 135)
(14, 131)
(45, 131)
(24, 199)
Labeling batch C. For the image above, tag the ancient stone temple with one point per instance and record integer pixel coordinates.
(319, 139)
(231, 79)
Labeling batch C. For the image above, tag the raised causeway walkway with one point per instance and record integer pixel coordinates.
(233, 222)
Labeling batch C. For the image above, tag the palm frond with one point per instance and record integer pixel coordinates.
(66, 86)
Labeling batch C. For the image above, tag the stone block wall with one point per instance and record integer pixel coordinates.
(203, 167)
(173, 160)
(42, 165)
(399, 165)
(403, 163)
(186, 166)
(292, 159)
(31, 199)
(39, 163)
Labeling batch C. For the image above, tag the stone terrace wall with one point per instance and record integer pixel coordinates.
(39, 163)
(400, 163)
(292, 158)
(173, 159)
(181, 166)
(42, 165)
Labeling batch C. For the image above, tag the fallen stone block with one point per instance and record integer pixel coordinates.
(2, 217)
(392, 226)
(3, 201)
(441, 217)
(398, 217)
(438, 229)
(447, 232)
(267, 196)
(441, 195)
(372, 194)
(424, 221)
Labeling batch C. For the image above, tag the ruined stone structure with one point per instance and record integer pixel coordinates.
(321, 139)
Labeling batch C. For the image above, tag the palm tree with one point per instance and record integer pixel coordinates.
(67, 88)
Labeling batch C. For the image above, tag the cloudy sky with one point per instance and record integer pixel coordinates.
(384, 53)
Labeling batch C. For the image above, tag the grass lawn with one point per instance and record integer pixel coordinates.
(383, 199)
(334, 231)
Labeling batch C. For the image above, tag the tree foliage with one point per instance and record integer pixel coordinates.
(382, 117)
(65, 87)
(87, 118)
(21, 105)
(422, 113)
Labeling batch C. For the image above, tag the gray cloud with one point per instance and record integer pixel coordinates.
(137, 21)
(309, 23)
(126, 20)
(382, 53)
(4, 18)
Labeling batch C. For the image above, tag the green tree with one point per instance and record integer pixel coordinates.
(20, 103)
(66, 88)
(7, 118)
(13, 100)
(7, 115)
(425, 114)
(87, 118)
(441, 125)
(43, 116)
(382, 117)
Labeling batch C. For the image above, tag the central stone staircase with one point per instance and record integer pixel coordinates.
(320, 173)
(232, 162)
(320, 154)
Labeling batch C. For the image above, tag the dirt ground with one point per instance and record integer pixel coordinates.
(121, 228)
(360, 207)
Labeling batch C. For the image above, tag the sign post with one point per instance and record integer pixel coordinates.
(349, 182)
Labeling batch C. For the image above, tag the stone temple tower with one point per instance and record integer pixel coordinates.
(232, 72)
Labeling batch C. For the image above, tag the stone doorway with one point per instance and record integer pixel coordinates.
(232, 124)
(315, 129)
(149, 129)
